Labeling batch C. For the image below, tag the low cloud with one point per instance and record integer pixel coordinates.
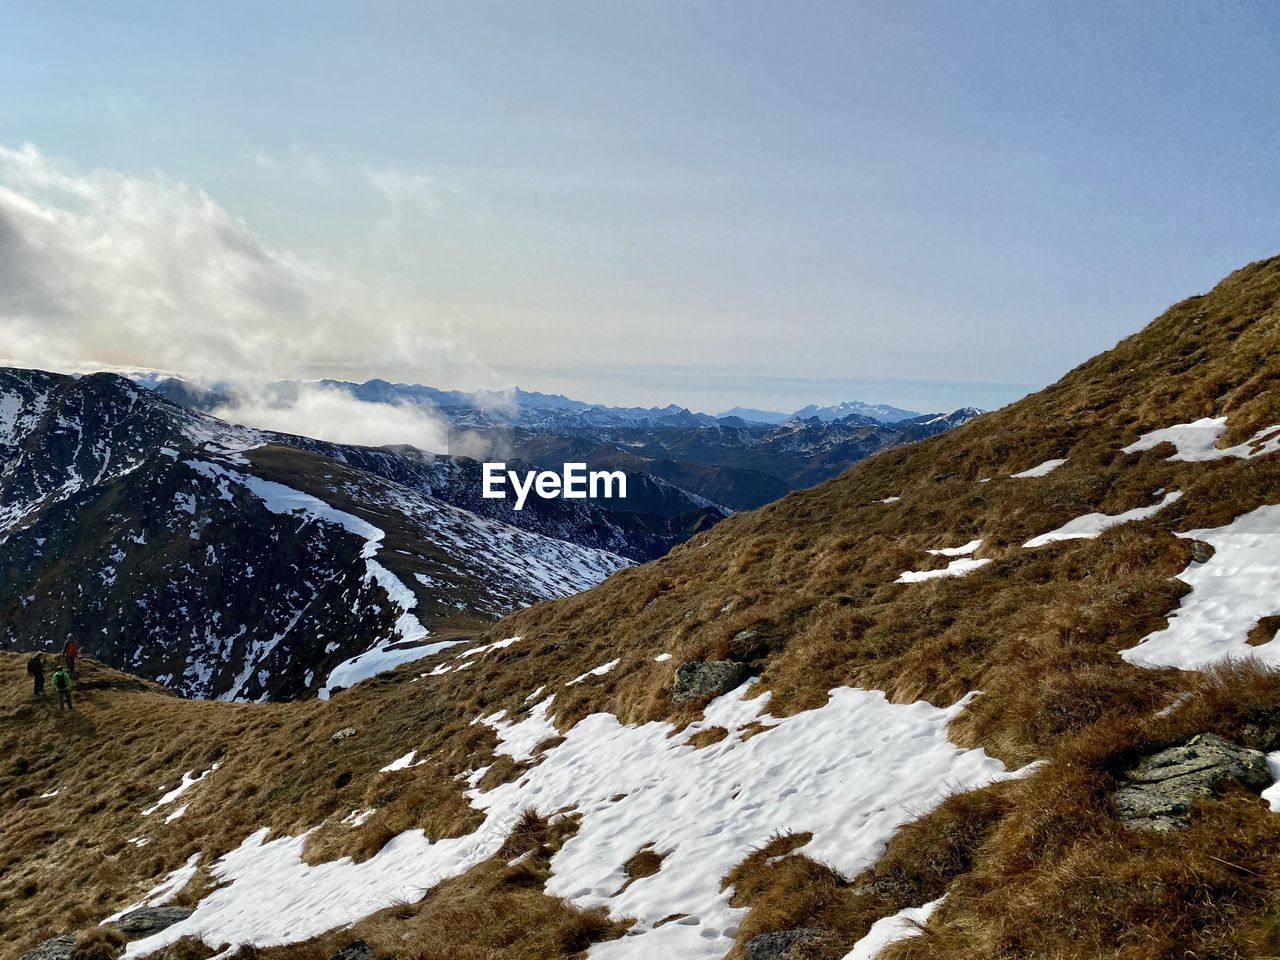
(102, 270)
(330, 413)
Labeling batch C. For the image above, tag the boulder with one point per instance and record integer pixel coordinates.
(356, 950)
(59, 948)
(781, 944)
(706, 678)
(148, 920)
(1201, 552)
(343, 734)
(1159, 789)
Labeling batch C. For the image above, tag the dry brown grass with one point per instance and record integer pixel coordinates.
(803, 591)
(101, 943)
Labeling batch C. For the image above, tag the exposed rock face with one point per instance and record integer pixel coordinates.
(1159, 789)
(706, 678)
(781, 944)
(59, 948)
(356, 950)
(148, 920)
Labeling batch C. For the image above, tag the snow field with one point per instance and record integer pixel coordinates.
(851, 772)
(1230, 593)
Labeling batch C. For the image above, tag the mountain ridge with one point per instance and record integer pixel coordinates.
(880, 748)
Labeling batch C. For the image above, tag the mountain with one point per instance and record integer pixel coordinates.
(880, 412)
(738, 462)
(754, 416)
(742, 465)
(225, 562)
(1014, 683)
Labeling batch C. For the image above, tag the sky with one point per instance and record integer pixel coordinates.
(714, 204)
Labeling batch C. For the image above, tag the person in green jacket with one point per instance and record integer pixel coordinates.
(62, 684)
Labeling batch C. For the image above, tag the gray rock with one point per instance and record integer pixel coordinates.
(1201, 552)
(706, 678)
(1159, 789)
(356, 950)
(59, 948)
(343, 734)
(780, 944)
(148, 920)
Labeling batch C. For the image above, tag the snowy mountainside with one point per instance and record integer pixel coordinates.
(908, 713)
(880, 412)
(739, 464)
(730, 460)
(654, 517)
(157, 536)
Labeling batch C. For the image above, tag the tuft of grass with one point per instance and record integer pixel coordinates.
(101, 943)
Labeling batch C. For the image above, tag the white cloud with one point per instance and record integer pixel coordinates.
(330, 413)
(402, 189)
(298, 164)
(100, 269)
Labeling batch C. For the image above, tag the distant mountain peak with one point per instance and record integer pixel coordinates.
(880, 412)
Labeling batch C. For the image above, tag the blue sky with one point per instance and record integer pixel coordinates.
(711, 203)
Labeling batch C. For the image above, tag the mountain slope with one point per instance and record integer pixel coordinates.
(918, 633)
(227, 565)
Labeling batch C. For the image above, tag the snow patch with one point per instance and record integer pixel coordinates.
(964, 551)
(1230, 593)
(1040, 470)
(704, 809)
(901, 925)
(956, 568)
(188, 781)
(599, 671)
(1197, 442)
(1093, 525)
(167, 889)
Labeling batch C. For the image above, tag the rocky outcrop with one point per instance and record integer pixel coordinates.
(781, 944)
(706, 678)
(1159, 789)
(145, 921)
(356, 950)
(59, 948)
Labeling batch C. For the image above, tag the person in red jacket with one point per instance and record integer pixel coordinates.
(71, 650)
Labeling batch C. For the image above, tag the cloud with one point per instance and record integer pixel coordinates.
(101, 270)
(105, 270)
(330, 413)
(401, 189)
(298, 164)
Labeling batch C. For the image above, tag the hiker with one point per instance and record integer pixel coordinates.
(71, 650)
(35, 667)
(62, 684)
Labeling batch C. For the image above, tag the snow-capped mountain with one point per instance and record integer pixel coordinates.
(880, 412)
(734, 461)
(226, 563)
(1010, 692)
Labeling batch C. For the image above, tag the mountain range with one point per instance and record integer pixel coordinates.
(730, 461)
(1007, 692)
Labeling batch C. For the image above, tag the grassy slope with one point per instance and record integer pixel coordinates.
(804, 589)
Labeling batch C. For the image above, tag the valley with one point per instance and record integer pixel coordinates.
(924, 690)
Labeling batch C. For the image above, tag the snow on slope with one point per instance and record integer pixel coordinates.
(543, 567)
(1041, 470)
(1230, 593)
(1197, 442)
(703, 809)
(907, 922)
(1093, 525)
(956, 568)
